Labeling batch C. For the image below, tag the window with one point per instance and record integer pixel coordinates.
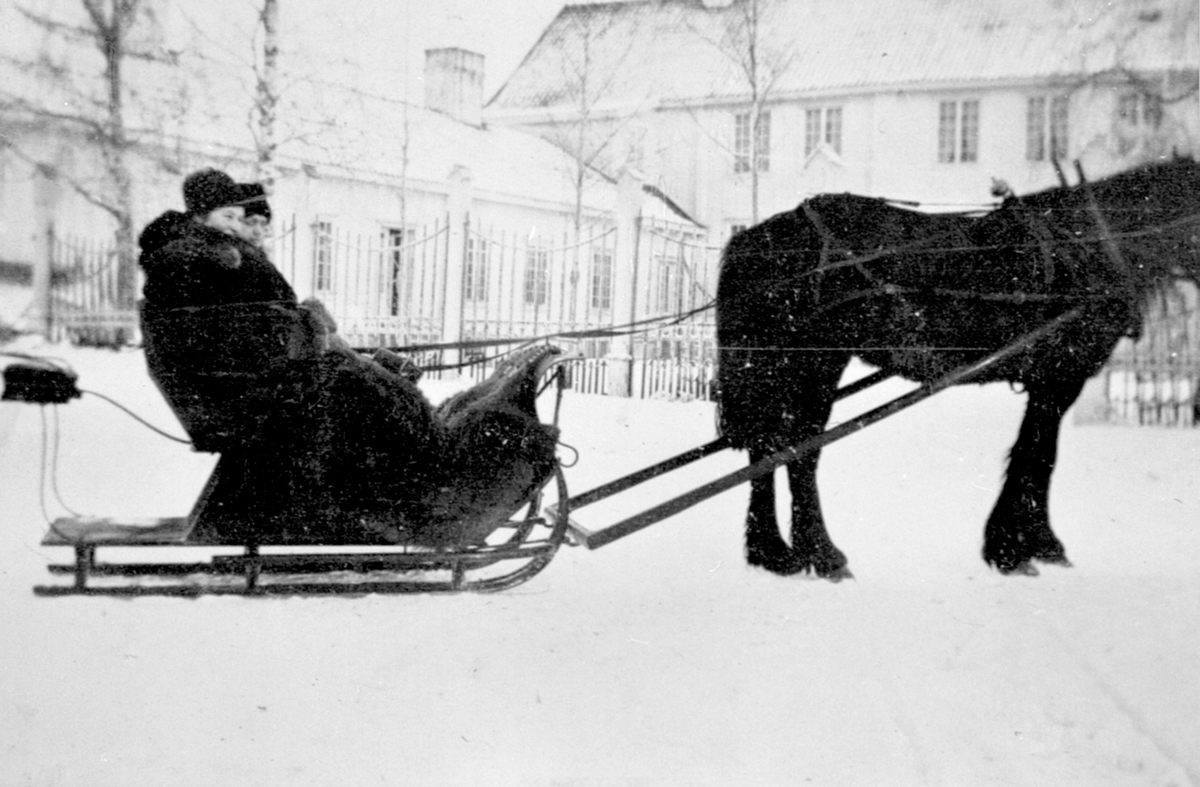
(1152, 110)
(958, 131)
(537, 277)
(822, 125)
(1144, 109)
(1127, 109)
(1046, 131)
(1058, 127)
(668, 285)
(398, 265)
(741, 142)
(323, 256)
(475, 271)
(602, 274)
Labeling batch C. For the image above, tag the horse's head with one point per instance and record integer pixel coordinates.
(1155, 211)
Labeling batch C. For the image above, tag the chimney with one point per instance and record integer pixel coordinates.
(454, 84)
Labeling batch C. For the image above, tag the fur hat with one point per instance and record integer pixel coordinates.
(254, 200)
(209, 189)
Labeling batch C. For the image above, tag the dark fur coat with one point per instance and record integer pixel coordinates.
(322, 444)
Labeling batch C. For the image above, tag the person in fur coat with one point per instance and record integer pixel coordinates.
(344, 448)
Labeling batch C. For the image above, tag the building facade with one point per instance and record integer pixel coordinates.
(916, 100)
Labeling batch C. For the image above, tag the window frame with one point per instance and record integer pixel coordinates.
(823, 126)
(1047, 127)
(475, 269)
(601, 293)
(742, 148)
(399, 268)
(959, 130)
(322, 255)
(1140, 109)
(535, 289)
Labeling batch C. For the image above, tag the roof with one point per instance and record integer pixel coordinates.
(370, 138)
(658, 52)
(329, 126)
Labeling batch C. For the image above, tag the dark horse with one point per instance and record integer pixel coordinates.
(919, 295)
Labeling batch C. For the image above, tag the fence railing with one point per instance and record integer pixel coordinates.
(84, 304)
(1155, 381)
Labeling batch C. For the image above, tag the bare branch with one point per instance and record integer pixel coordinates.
(91, 126)
(54, 173)
(64, 29)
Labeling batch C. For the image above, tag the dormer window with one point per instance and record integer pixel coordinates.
(822, 126)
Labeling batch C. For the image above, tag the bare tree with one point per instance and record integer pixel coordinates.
(94, 106)
(273, 84)
(745, 38)
(267, 96)
(592, 47)
(1146, 123)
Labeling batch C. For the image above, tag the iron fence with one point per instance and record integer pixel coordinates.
(525, 285)
(1155, 380)
(84, 300)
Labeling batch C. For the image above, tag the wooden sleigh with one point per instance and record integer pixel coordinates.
(226, 373)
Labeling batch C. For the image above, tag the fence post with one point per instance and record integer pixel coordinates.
(624, 303)
(458, 214)
(46, 196)
(42, 316)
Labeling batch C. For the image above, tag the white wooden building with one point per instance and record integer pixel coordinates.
(922, 100)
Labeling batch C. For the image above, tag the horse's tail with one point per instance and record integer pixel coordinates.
(756, 293)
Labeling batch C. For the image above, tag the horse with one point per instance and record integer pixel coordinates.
(918, 295)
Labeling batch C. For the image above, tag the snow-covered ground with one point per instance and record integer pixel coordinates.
(660, 659)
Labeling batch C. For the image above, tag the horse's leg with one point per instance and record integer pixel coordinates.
(765, 547)
(1018, 530)
(811, 549)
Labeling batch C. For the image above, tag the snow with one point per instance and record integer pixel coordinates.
(660, 659)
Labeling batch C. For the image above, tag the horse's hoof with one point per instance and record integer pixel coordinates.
(836, 575)
(1024, 568)
(784, 565)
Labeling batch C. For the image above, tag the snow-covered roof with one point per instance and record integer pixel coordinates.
(376, 135)
(654, 52)
(201, 104)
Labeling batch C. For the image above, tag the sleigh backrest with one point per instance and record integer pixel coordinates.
(225, 370)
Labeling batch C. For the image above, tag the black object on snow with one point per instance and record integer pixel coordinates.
(39, 384)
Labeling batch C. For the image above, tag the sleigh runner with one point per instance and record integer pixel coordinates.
(517, 552)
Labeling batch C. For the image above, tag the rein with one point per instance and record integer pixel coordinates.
(916, 246)
(627, 329)
(1041, 232)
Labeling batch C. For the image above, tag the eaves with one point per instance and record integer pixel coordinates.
(1059, 81)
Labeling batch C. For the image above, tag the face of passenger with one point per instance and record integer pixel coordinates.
(256, 229)
(227, 219)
